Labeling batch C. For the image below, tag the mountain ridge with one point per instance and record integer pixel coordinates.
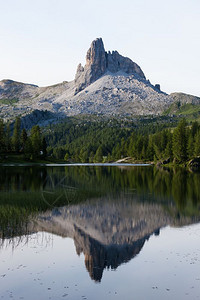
(109, 84)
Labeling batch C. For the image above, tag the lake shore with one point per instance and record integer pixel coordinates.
(19, 160)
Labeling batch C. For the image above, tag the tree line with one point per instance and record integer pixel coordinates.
(105, 141)
(18, 141)
(178, 144)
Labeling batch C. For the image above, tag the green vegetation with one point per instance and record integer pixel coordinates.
(91, 139)
(189, 111)
(29, 191)
(87, 139)
(20, 144)
(16, 135)
(112, 139)
(8, 101)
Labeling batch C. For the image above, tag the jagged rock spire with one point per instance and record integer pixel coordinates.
(96, 55)
(98, 61)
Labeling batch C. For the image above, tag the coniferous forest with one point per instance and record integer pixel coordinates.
(110, 141)
(17, 141)
(102, 141)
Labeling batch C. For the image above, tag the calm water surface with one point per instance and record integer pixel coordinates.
(99, 232)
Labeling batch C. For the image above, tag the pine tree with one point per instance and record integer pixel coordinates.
(131, 145)
(190, 145)
(116, 152)
(24, 137)
(91, 157)
(123, 148)
(180, 141)
(2, 136)
(163, 140)
(168, 150)
(28, 149)
(194, 128)
(36, 140)
(44, 147)
(8, 144)
(99, 154)
(66, 156)
(139, 146)
(150, 149)
(83, 155)
(197, 144)
(16, 135)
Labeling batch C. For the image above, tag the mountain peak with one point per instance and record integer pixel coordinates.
(96, 53)
(108, 84)
(98, 62)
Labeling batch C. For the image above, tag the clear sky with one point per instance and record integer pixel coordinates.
(42, 41)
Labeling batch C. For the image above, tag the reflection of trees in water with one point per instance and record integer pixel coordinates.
(177, 184)
(22, 189)
(13, 221)
(37, 239)
(22, 178)
(127, 206)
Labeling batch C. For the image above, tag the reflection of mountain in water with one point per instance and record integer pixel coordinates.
(98, 256)
(137, 202)
(109, 233)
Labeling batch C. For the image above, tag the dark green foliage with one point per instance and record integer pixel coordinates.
(99, 154)
(31, 146)
(16, 135)
(58, 152)
(197, 143)
(168, 150)
(28, 149)
(104, 140)
(180, 141)
(8, 143)
(2, 136)
(29, 191)
(111, 140)
(36, 141)
(194, 128)
(190, 146)
(24, 137)
(44, 147)
(81, 136)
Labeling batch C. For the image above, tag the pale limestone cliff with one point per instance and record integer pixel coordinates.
(98, 62)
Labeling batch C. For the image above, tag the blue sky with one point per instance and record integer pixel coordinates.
(43, 41)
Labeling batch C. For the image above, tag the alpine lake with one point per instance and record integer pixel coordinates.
(99, 232)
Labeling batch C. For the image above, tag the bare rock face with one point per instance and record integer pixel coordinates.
(98, 62)
(10, 89)
(185, 98)
(96, 58)
(117, 62)
(157, 86)
(95, 66)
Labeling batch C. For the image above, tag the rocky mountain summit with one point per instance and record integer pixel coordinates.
(98, 62)
(109, 84)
